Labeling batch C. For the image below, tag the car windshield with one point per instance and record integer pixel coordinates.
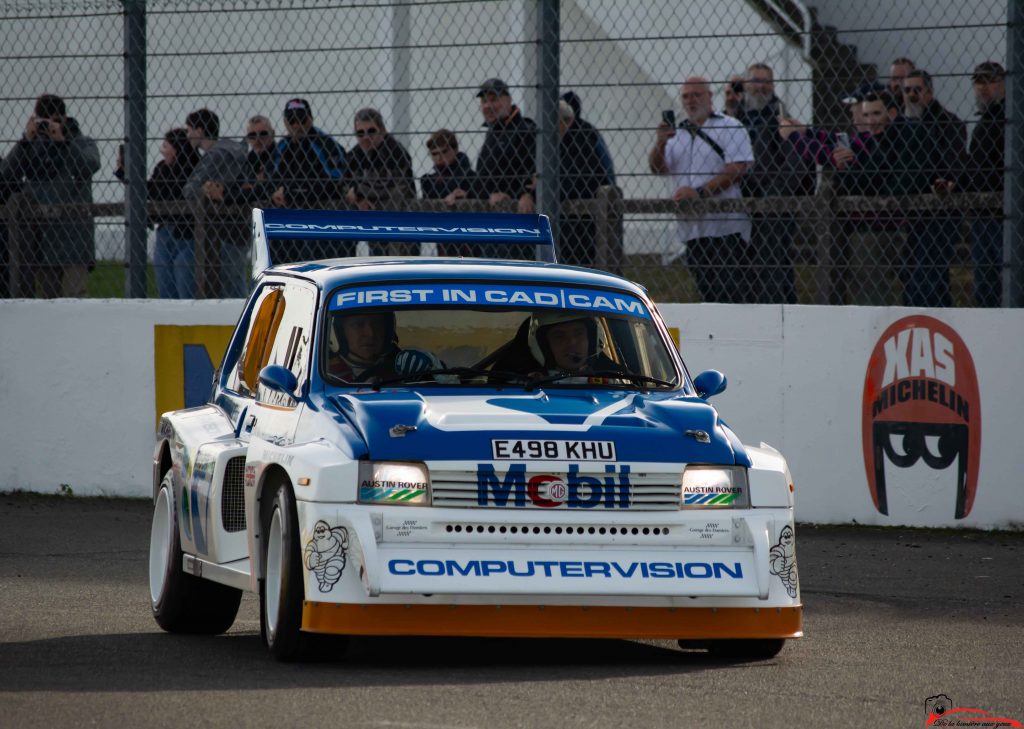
(493, 334)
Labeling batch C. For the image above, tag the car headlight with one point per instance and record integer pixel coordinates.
(715, 487)
(391, 482)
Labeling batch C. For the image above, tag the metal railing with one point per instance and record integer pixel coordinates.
(823, 214)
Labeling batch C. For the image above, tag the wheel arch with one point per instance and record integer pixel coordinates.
(162, 463)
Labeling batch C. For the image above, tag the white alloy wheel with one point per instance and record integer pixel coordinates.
(275, 568)
(160, 544)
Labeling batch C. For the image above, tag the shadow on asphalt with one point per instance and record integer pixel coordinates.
(238, 662)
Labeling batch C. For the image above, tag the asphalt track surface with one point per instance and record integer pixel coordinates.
(891, 618)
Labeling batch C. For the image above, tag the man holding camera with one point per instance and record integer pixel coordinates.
(706, 157)
(54, 163)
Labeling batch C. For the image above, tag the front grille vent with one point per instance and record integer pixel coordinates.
(645, 491)
(232, 506)
(557, 529)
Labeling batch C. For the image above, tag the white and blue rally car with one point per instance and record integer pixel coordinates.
(463, 446)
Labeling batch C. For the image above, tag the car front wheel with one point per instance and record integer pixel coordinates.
(182, 603)
(281, 589)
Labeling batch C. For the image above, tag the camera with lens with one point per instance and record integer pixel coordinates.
(938, 705)
(43, 127)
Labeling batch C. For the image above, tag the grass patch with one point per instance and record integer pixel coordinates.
(107, 281)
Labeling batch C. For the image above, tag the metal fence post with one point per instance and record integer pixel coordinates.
(548, 79)
(401, 68)
(823, 216)
(21, 275)
(135, 147)
(1013, 187)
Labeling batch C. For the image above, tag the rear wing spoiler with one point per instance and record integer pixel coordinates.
(474, 229)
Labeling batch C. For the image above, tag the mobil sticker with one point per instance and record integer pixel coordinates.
(921, 406)
(572, 490)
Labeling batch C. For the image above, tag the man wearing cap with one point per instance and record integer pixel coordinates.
(307, 171)
(220, 166)
(54, 164)
(308, 163)
(986, 164)
(507, 160)
(854, 100)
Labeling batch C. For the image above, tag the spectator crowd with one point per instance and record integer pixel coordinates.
(900, 141)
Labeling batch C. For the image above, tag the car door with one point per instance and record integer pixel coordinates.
(273, 415)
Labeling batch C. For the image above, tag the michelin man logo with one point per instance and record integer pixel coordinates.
(783, 560)
(325, 554)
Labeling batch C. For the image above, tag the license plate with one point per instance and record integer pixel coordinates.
(553, 450)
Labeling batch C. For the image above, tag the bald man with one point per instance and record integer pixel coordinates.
(705, 158)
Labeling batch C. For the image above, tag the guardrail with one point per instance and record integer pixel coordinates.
(824, 212)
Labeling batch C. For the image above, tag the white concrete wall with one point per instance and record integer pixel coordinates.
(77, 398)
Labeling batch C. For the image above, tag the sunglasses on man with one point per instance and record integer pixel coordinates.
(370, 132)
(261, 134)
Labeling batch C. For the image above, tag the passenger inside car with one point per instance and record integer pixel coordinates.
(366, 346)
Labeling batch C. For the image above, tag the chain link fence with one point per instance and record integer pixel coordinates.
(767, 151)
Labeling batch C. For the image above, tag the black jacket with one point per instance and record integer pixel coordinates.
(579, 163)
(507, 160)
(778, 168)
(382, 176)
(57, 173)
(986, 157)
(883, 164)
(256, 183)
(310, 169)
(941, 138)
(166, 183)
(443, 181)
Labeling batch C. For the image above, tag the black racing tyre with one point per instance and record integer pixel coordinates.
(182, 603)
(744, 649)
(281, 589)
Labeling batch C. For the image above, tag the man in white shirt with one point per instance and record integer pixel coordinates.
(706, 157)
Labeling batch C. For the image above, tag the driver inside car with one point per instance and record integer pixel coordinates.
(557, 342)
(368, 348)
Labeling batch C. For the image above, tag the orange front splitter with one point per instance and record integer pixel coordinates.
(553, 621)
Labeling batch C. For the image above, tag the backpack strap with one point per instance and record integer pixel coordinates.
(696, 131)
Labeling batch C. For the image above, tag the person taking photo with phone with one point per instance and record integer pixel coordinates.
(706, 157)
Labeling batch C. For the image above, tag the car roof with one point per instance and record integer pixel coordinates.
(331, 273)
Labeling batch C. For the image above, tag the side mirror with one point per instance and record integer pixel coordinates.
(279, 379)
(709, 383)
